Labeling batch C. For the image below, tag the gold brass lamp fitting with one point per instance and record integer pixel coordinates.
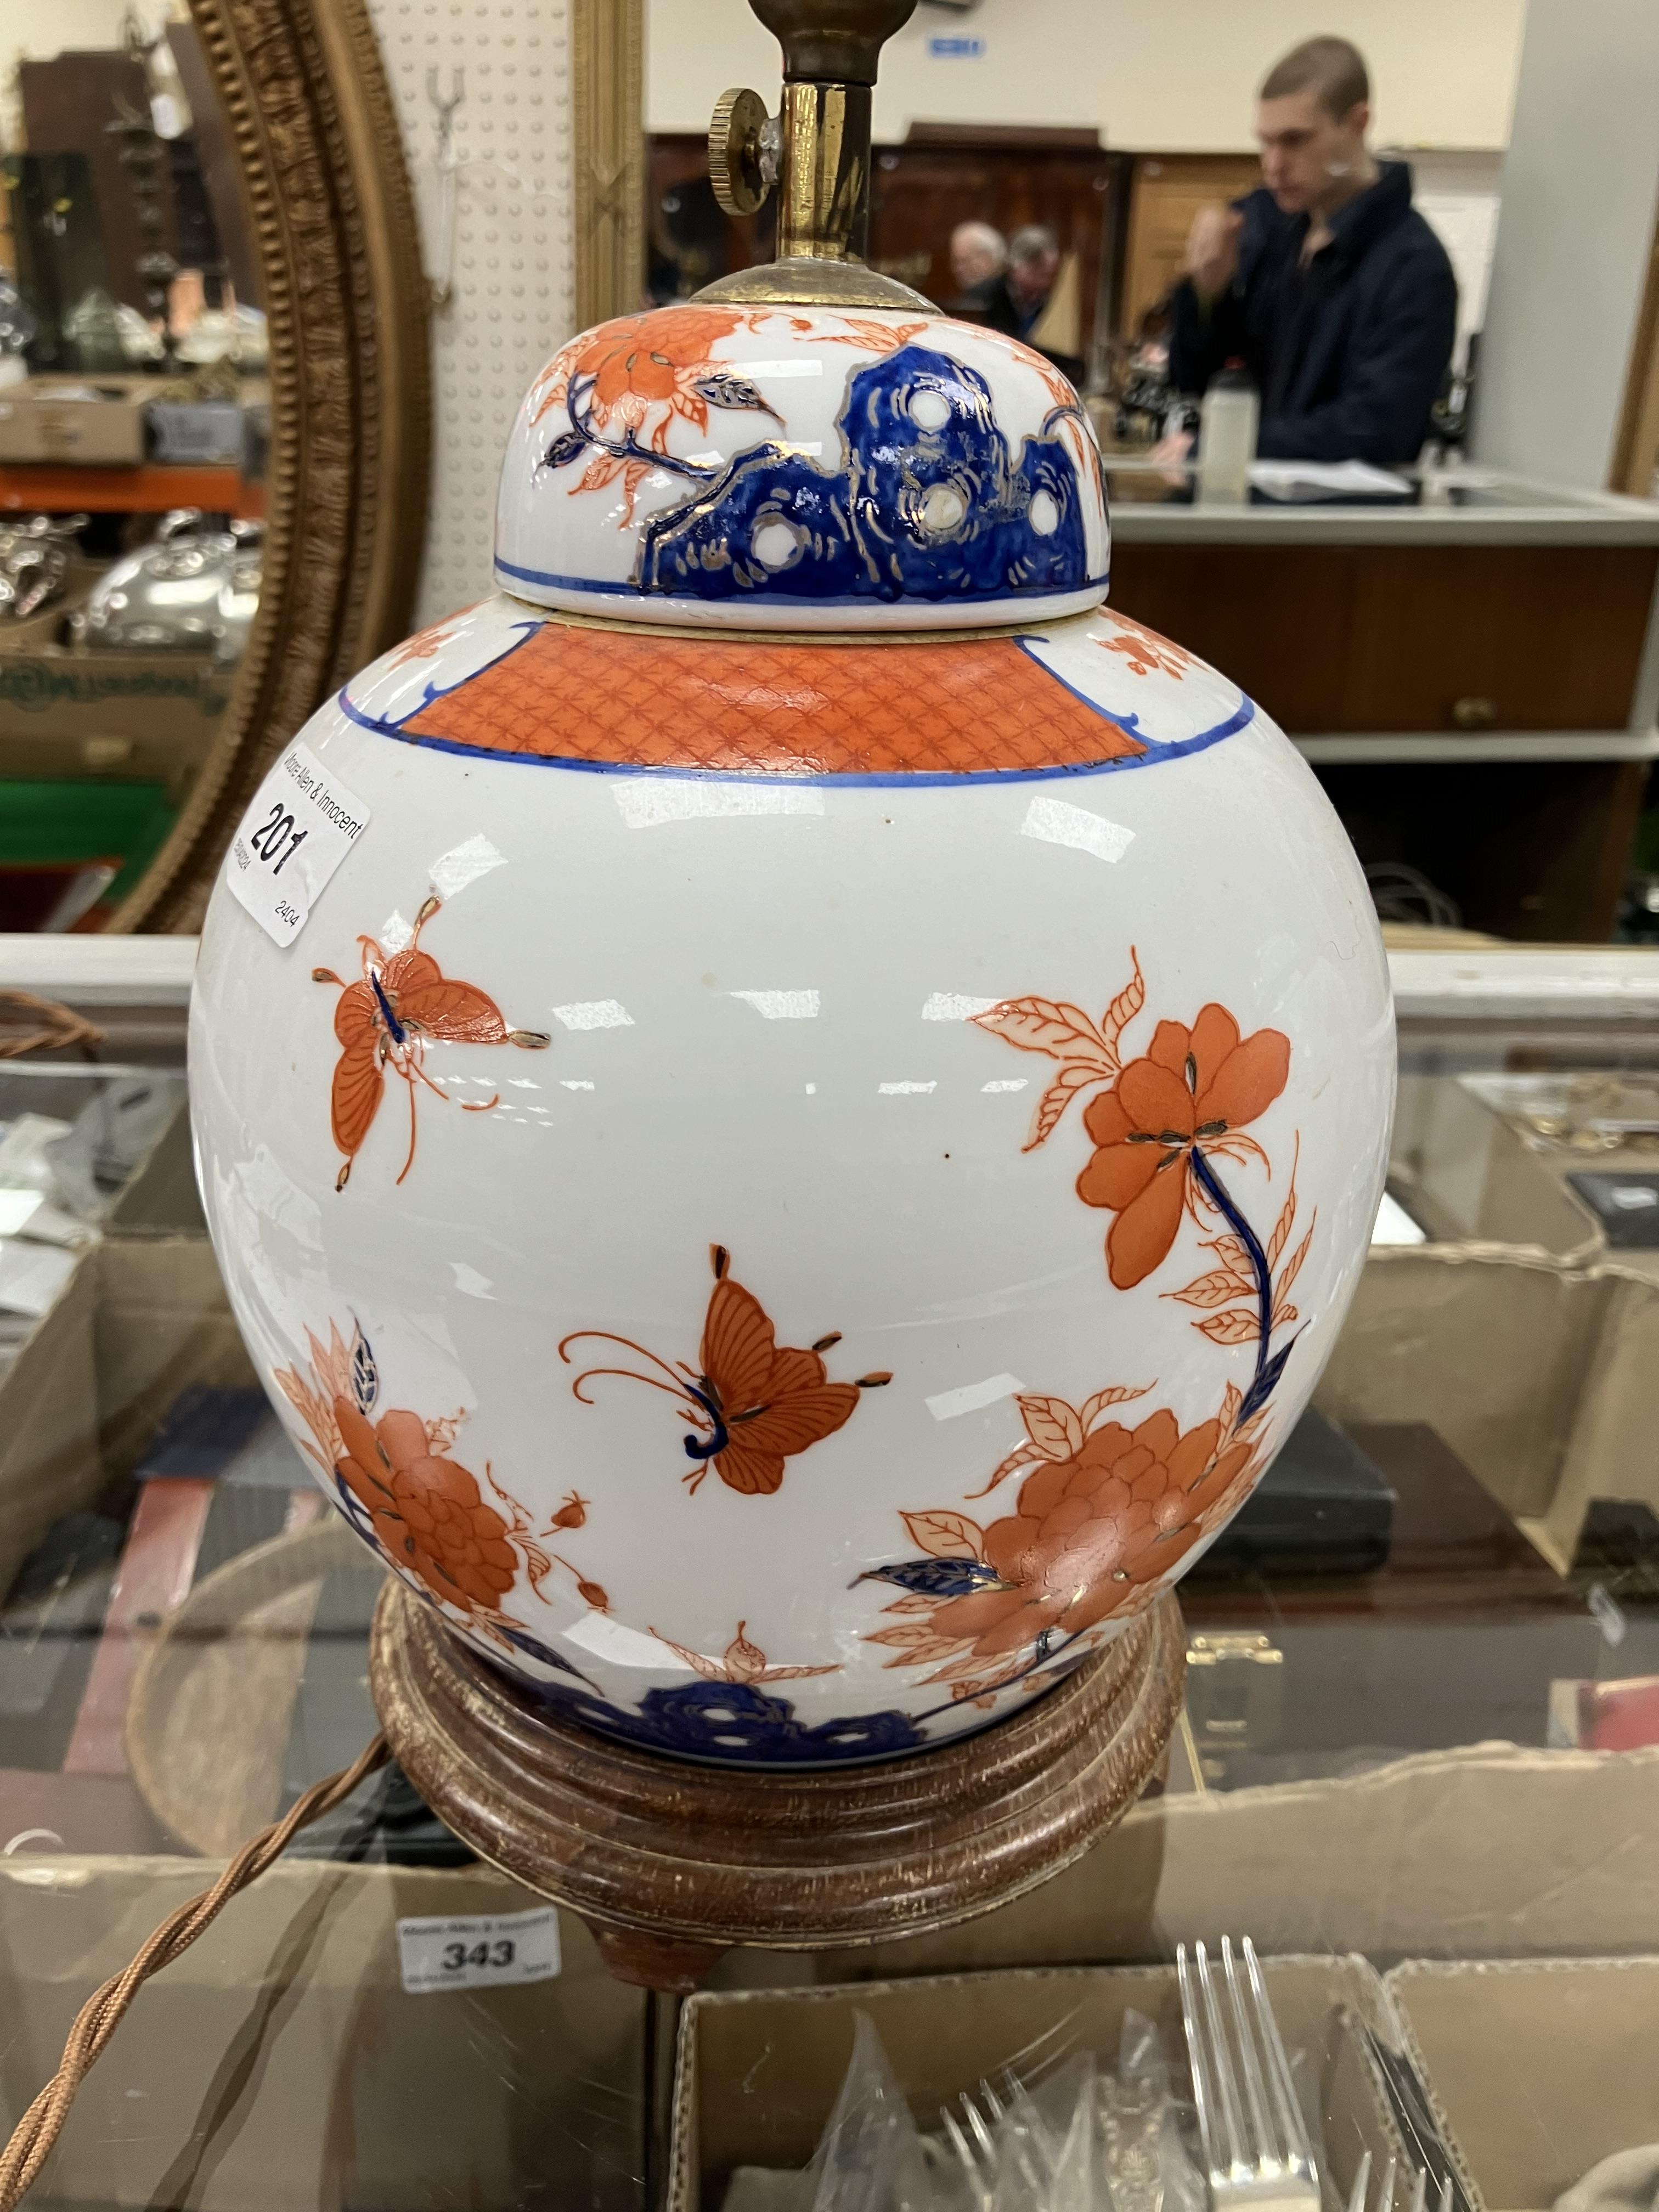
(815, 153)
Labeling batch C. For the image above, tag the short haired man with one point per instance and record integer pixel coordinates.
(1327, 282)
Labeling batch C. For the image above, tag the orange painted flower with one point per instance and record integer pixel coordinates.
(427, 1509)
(1193, 1088)
(1095, 1532)
(642, 364)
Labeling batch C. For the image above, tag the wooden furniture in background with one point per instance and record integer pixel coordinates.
(941, 175)
(1167, 192)
(68, 103)
(1416, 637)
(1450, 641)
(947, 174)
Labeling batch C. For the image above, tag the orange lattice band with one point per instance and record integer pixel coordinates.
(629, 699)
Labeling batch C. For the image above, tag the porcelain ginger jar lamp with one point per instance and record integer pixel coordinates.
(790, 1105)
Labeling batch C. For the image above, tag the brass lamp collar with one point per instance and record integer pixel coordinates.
(815, 154)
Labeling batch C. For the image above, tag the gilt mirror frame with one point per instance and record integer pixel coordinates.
(331, 212)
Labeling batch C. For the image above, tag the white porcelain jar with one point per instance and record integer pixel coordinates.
(818, 1135)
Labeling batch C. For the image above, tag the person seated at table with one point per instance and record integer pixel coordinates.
(1325, 282)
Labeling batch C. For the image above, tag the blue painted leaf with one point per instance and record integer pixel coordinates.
(937, 1577)
(365, 1375)
(1262, 1388)
(725, 389)
(534, 1649)
(566, 449)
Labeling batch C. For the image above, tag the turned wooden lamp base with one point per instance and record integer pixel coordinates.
(672, 1862)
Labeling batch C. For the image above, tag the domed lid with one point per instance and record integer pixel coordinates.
(766, 466)
(808, 446)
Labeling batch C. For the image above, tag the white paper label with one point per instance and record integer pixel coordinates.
(300, 826)
(493, 1951)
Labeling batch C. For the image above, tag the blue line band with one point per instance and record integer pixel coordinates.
(779, 599)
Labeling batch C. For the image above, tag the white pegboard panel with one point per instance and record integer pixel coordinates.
(513, 276)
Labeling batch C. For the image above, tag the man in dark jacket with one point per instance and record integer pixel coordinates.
(1327, 284)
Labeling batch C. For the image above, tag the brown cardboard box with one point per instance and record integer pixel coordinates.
(1465, 1173)
(50, 689)
(40, 422)
(1486, 1852)
(758, 2072)
(1542, 1378)
(281, 2066)
(1537, 2070)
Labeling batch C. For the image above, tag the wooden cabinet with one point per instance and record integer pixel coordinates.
(1338, 639)
(1444, 642)
(1167, 191)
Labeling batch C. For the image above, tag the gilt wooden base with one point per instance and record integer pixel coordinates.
(672, 1862)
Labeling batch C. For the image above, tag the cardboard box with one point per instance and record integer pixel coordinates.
(280, 2064)
(1536, 2071)
(141, 1315)
(758, 2073)
(43, 419)
(1466, 1176)
(49, 688)
(1544, 1379)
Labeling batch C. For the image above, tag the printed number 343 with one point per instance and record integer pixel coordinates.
(277, 839)
(502, 1953)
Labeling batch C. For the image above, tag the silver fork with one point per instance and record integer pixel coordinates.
(1256, 2152)
(1384, 2201)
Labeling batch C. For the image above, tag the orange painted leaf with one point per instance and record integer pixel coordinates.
(794, 1673)
(1280, 1237)
(1231, 1254)
(1076, 1075)
(1124, 1008)
(1052, 1026)
(1025, 1455)
(903, 1639)
(1095, 1406)
(912, 1605)
(925, 1654)
(1053, 1426)
(945, 1535)
(1293, 1265)
(1283, 1317)
(1209, 1290)
(1232, 1399)
(1235, 1146)
(1235, 1327)
(744, 1660)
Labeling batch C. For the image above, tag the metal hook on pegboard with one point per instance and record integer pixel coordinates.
(441, 280)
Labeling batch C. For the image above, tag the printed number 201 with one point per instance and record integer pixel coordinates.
(502, 1953)
(277, 839)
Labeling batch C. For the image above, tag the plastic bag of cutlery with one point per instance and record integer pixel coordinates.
(870, 2157)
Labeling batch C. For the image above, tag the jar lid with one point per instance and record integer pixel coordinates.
(767, 466)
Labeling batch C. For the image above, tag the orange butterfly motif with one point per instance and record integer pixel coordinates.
(401, 1002)
(751, 1406)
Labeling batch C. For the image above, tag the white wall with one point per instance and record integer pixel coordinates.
(1173, 76)
(1579, 187)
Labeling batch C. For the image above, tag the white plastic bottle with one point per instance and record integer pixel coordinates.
(1226, 434)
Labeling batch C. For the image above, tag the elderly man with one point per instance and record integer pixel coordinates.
(1018, 300)
(1326, 283)
(979, 254)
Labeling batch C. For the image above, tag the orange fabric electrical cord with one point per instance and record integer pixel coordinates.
(99, 2018)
